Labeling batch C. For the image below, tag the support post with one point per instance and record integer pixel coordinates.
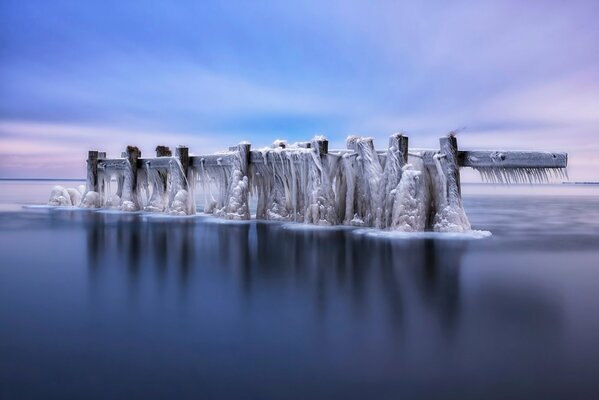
(321, 145)
(399, 142)
(449, 147)
(92, 171)
(182, 153)
(244, 153)
(132, 154)
(163, 151)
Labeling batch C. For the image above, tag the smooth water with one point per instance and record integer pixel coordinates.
(115, 305)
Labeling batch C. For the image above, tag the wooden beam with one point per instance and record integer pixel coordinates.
(154, 163)
(512, 159)
(223, 159)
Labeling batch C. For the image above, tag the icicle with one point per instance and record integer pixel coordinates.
(529, 175)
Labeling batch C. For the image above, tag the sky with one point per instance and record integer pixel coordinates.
(80, 75)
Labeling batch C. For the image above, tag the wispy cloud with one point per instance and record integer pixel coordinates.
(209, 74)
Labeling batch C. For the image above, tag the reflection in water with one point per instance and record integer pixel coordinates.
(127, 240)
(194, 308)
(270, 307)
(400, 279)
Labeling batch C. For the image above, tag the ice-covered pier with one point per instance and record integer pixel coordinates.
(396, 188)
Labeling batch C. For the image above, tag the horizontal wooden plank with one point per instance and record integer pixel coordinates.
(156, 162)
(512, 159)
(468, 158)
(113, 164)
(223, 159)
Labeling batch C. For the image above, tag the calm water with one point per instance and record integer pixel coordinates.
(105, 305)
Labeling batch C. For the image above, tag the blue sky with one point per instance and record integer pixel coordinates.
(76, 75)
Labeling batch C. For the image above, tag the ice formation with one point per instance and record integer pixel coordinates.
(296, 184)
(166, 189)
(304, 182)
(229, 176)
(91, 200)
(356, 187)
(60, 197)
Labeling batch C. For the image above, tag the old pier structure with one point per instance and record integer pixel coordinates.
(395, 188)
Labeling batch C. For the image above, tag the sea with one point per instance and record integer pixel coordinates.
(113, 305)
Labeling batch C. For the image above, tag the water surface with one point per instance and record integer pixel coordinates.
(109, 305)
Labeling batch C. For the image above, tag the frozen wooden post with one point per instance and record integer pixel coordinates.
(163, 151)
(321, 145)
(244, 154)
(92, 171)
(182, 153)
(399, 143)
(132, 154)
(101, 188)
(451, 169)
(244, 158)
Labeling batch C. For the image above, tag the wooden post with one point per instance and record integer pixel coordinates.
(244, 152)
(92, 171)
(182, 153)
(132, 154)
(449, 147)
(321, 144)
(352, 143)
(400, 142)
(163, 151)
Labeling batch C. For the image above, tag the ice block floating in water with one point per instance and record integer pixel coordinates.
(306, 182)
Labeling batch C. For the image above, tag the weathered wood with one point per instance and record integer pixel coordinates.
(182, 153)
(92, 171)
(161, 162)
(449, 147)
(399, 143)
(321, 145)
(244, 155)
(223, 159)
(163, 151)
(113, 164)
(512, 159)
(133, 154)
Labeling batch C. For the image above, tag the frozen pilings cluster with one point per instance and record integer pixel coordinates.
(157, 184)
(395, 188)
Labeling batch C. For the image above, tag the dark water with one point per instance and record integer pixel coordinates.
(97, 305)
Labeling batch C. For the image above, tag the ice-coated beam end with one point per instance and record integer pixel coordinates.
(513, 159)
